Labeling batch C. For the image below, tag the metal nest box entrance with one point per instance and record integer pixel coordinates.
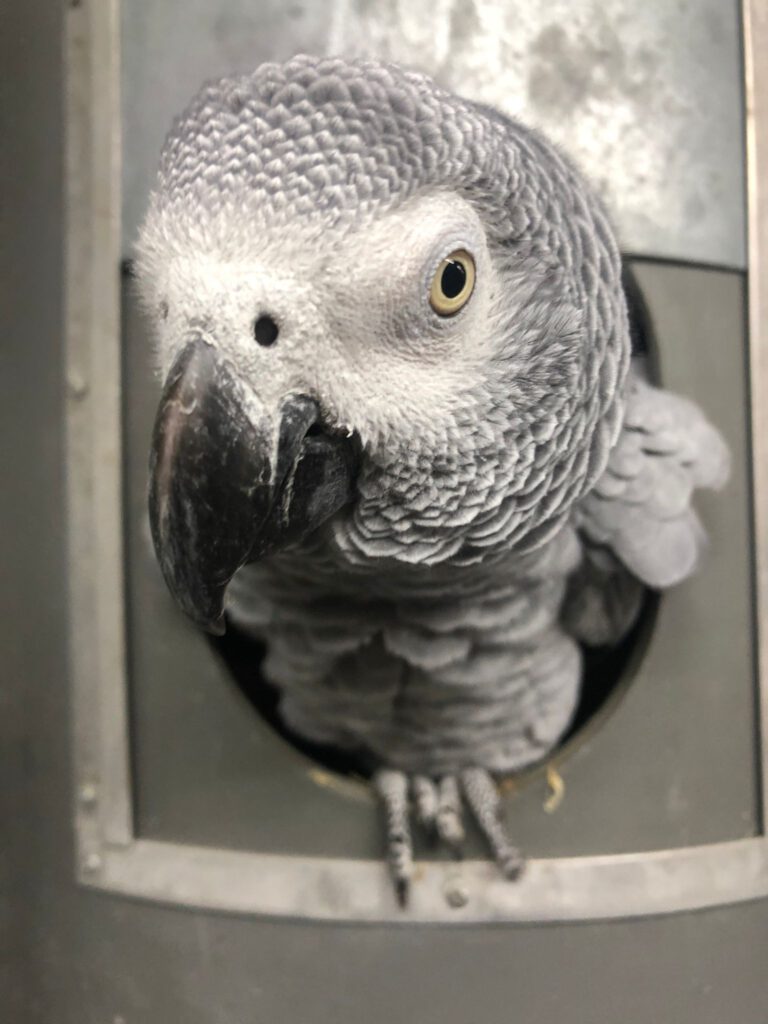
(184, 794)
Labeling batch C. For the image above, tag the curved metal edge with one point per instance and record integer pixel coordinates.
(315, 888)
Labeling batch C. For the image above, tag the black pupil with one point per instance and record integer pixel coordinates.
(265, 330)
(453, 280)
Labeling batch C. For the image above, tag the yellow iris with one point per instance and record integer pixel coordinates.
(453, 283)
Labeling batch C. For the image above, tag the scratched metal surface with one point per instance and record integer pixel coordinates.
(645, 96)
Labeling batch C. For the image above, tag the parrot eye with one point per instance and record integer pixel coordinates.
(453, 283)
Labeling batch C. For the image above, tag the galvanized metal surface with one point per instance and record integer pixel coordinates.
(604, 883)
(72, 955)
(647, 97)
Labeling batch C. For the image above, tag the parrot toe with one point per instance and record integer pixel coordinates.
(448, 822)
(392, 789)
(482, 796)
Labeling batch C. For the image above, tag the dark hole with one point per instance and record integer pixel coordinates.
(265, 330)
(453, 279)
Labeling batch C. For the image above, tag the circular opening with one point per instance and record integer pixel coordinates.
(607, 671)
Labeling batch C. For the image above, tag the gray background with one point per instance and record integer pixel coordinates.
(68, 955)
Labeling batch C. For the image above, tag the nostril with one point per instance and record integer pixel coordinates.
(265, 330)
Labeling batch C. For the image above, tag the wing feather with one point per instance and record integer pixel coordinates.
(641, 508)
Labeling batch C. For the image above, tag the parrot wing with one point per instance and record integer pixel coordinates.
(639, 516)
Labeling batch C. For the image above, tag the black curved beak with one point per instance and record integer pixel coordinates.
(230, 484)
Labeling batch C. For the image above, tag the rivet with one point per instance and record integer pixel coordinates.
(455, 892)
(88, 794)
(92, 863)
(78, 387)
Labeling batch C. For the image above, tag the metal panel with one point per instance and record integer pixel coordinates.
(109, 856)
(647, 97)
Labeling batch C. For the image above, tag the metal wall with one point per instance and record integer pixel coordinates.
(647, 97)
(71, 955)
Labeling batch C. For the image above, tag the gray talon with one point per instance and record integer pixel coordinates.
(512, 864)
(402, 892)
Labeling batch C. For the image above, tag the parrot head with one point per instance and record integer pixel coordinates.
(382, 312)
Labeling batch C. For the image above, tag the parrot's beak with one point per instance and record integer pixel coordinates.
(230, 484)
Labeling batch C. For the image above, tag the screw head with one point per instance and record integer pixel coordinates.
(88, 794)
(92, 863)
(455, 892)
(78, 387)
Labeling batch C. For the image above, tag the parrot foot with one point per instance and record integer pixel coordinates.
(438, 807)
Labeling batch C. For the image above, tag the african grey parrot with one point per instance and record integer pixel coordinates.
(399, 405)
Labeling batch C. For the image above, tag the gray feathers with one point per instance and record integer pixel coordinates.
(508, 459)
(641, 506)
